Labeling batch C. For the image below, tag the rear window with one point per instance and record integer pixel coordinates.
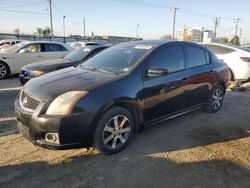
(219, 49)
(196, 56)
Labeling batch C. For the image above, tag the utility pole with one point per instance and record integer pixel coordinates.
(216, 24)
(236, 29)
(64, 29)
(137, 29)
(240, 35)
(173, 34)
(50, 15)
(84, 29)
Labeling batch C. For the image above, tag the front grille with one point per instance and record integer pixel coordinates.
(28, 101)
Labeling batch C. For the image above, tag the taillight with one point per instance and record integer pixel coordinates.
(246, 59)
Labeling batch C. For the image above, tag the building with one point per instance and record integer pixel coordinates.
(194, 34)
(209, 36)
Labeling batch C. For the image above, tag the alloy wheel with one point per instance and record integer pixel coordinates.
(116, 132)
(217, 98)
(3, 71)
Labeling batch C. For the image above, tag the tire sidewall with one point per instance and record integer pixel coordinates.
(105, 118)
(210, 106)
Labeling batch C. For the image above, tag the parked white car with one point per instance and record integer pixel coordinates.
(237, 59)
(21, 54)
(81, 44)
(6, 43)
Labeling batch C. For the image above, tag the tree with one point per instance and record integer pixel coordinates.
(166, 37)
(39, 31)
(235, 40)
(45, 32)
(224, 40)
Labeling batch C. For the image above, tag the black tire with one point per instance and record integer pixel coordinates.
(4, 70)
(216, 99)
(110, 139)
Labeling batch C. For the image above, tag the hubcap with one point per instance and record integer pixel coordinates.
(3, 71)
(217, 98)
(116, 132)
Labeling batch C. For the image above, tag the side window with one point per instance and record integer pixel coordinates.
(53, 48)
(207, 57)
(219, 49)
(32, 48)
(170, 58)
(196, 56)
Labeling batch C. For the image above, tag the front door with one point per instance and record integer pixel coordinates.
(166, 95)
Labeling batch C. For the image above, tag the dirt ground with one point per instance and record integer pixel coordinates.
(195, 150)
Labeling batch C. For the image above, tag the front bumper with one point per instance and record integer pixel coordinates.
(73, 130)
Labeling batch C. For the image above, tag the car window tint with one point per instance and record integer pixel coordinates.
(53, 48)
(219, 49)
(207, 57)
(170, 58)
(196, 56)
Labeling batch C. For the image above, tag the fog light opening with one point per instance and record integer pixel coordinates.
(52, 137)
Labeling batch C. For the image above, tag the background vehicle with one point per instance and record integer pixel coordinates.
(42, 67)
(119, 91)
(237, 59)
(82, 44)
(21, 54)
(4, 44)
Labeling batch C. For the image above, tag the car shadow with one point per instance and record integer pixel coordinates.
(113, 171)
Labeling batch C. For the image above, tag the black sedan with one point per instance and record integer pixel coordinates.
(76, 57)
(118, 92)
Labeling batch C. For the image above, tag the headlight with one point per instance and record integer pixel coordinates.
(64, 104)
(35, 73)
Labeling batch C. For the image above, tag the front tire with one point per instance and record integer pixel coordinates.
(216, 99)
(3, 70)
(114, 130)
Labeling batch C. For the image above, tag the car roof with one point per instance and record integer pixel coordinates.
(36, 42)
(158, 42)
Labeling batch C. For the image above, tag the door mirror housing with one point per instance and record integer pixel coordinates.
(156, 72)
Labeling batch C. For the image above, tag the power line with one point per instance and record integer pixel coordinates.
(25, 5)
(24, 12)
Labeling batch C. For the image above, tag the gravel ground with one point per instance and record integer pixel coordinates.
(195, 150)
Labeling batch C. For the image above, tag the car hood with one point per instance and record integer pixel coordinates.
(47, 64)
(48, 86)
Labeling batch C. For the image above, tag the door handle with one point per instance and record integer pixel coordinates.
(39, 56)
(211, 71)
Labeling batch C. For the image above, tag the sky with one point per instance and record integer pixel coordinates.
(120, 17)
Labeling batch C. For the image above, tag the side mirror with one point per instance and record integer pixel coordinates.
(22, 51)
(156, 72)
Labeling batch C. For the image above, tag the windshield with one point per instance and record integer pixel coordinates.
(78, 54)
(245, 49)
(14, 47)
(117, 59)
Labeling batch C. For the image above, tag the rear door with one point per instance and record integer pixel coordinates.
(166, 95)
(203, 74)
(51, 50)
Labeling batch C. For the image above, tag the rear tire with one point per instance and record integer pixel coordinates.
(3, 70)
(216, 99)
(114, 130)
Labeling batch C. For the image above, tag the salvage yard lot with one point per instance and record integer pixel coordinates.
(195, 150)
